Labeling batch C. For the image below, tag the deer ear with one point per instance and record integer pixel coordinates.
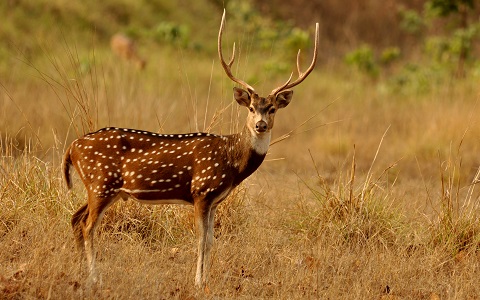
(242, 96)
(284, 98)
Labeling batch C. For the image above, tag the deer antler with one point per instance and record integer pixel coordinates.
(301, 75)
(227, 67)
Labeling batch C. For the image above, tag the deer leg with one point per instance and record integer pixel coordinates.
(202, 212)
(78, 221)
(208, 242)
(96, 208)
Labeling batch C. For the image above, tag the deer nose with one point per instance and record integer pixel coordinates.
(261, 126)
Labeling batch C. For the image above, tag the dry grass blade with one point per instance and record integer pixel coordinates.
(23, 114)
(208, 98)
(75, 92)
(293, 131)
(216, 118)
(369, 173)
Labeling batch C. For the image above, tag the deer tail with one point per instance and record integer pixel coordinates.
(67, 162)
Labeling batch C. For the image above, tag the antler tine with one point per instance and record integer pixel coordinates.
(282, 87)
(301, 75)
(298, 63)
(227, 67)
(233, 57)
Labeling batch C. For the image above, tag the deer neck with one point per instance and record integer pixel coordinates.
(259, 143)
(247, 150)
(248, 141)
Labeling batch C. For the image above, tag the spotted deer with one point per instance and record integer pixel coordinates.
(200, 169)
(125, 47)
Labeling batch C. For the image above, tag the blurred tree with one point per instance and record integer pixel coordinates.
(464, 33)
(446, 7)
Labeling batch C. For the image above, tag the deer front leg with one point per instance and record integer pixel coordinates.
(204, 214)
(201, 228)
(208, 243)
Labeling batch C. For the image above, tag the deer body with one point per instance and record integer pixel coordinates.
(200, 169)
(139, 163)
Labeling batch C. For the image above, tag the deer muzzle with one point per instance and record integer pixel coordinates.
(261, 126)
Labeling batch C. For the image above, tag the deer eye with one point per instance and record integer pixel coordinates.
(250, 109)
(272, 111)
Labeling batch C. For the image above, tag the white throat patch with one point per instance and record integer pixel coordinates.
(260, 142)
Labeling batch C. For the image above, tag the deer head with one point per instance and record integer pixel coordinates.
(262, 109)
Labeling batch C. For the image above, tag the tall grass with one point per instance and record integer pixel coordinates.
(333, 239)
(456, 226)
(359, 213)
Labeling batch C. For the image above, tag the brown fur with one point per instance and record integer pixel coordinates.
(67, 162)
(126, 48)
(78, 221)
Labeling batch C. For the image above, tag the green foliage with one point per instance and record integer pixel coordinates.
(417, 79)
(279, 39)
(463, 40)
(411, 21)
(297, 39)
(171, 33)
(458, 43)
(389, 55)
(449, 49)
(244, 12)
(363, 59)
(444, 8)
(274, 66)
(437, 48)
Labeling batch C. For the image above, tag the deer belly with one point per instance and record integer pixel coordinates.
(156, 196)
(163, 201)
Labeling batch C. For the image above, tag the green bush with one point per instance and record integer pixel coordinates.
(171, 33)
(411, 21)
(389, 55)
(363, 59)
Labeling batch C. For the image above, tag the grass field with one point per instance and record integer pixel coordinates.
(372, 196)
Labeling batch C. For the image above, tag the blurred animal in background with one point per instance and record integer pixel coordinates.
(125, 47)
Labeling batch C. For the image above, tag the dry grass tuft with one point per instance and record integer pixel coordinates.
(456, 227)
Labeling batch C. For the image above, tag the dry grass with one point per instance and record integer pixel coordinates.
(345, 210)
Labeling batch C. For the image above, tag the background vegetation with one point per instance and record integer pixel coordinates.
(370, 193)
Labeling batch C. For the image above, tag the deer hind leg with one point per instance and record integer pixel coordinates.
(78, 222)
(84, 223)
